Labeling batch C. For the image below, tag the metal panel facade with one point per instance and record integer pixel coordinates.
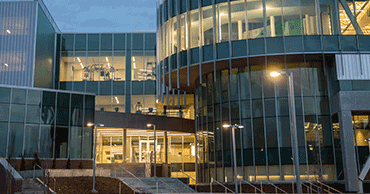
(353, 66)
(17, 42)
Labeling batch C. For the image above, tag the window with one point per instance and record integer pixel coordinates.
(194, 28)
(238, 24)
(207, 22)
(222, 20)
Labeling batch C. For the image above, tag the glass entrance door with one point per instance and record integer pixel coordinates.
(146, 151)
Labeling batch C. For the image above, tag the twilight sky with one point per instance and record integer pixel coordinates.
(103, 15)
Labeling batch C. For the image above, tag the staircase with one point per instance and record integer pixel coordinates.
(31, 186)
(157, 185)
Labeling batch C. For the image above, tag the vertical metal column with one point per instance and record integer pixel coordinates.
(124, 145)
(348, 151)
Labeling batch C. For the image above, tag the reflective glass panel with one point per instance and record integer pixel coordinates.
(222, 20)
(137, 68)
(15, 139)
(274, 18)
(309, 18)
(194, 28)
(3, 138)
(238, 24)
(292, 24)
(255, 19)
(207, 22)
(31, 140)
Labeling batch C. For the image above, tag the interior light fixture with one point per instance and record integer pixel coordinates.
(106, 58)
(108, 64)
(133, 58)
(6, 64)
(8, 31)
(79, 60)
(116, 99)
(134, 65)
(81, 65)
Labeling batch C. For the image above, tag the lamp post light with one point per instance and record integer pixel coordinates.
(155, 147)
(292, 123)
(234, 151)
(95, 125)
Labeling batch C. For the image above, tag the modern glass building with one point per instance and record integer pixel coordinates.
(224, 50)
(50, 123)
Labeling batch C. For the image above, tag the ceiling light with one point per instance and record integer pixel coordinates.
(108, 64)
(8, 31)
(133, 58)
(79, 60)
(116, 99)
(6, 64)
(106, 58)
(134, 65)
(81, 65)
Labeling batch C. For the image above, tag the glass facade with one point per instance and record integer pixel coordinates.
(119, 68)
(238, 20)
(117, 145)
(249, 96)
(49, 123)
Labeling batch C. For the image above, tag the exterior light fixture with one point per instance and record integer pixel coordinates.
(234, 151)
(293, 125)
(275, 74)
(155, 146)
(95, 125)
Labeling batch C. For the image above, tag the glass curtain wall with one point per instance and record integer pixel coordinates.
(249, 20)
(251, 97)
(119, 68)
(48, 123)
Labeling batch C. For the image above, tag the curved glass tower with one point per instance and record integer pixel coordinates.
(223, 52)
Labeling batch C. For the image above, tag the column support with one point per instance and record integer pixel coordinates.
(124, 145)
(348, 151)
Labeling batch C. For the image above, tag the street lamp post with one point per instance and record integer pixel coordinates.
(234, 152)
(293, 124)
(95, 125)
(155, 148)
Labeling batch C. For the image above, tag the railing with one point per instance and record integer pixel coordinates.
(255, 188)
(167, 185)
(189, 177)
(46, 177)
(309, 188)
(276, 187)
(134, 189)
(329, 187)
(226, 188)
(319, 188)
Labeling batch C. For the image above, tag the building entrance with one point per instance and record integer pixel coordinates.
(146, 153)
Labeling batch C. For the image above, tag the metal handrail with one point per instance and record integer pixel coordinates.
(142, 183)
(252, 186)
(187, 176)
(309, 188)
(318, 188)
(168, 185)
(331, 188)
(222, 186)
(184, 173)
(276, 187)
(34, 170)
(131, 174)
(135, 190)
